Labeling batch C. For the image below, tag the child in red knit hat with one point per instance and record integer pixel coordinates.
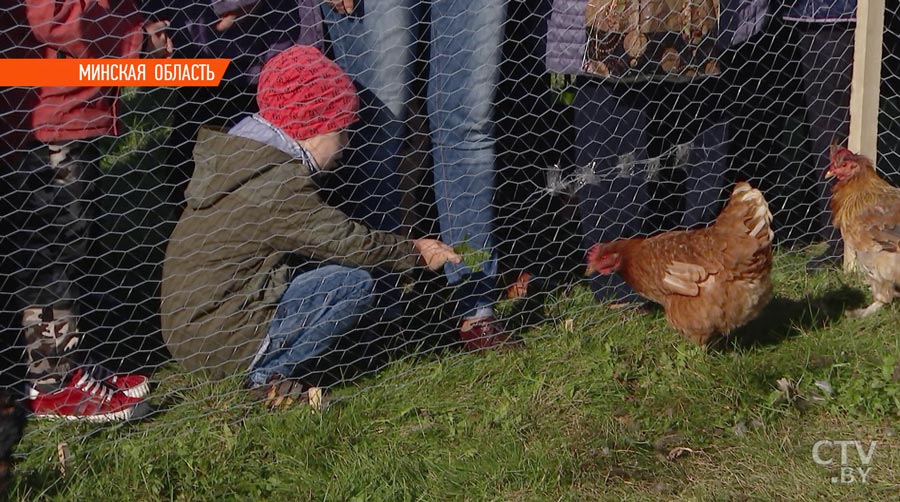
(306, 94)
(262, 276)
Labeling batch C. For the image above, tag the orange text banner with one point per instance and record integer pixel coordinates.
(112, 72)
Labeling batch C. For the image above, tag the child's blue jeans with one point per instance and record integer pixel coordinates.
(317, 309)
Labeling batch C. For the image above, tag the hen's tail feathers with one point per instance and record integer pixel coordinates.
(747, 209)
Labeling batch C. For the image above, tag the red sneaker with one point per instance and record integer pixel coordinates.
(83, 398)
(136, 386)
(485, 334)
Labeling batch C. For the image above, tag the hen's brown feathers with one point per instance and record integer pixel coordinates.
(867, 211)
(866, 208)
(709, 280)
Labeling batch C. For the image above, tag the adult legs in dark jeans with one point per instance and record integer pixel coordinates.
(707, 174)
(826, 57)
(12, 369)
(367, 184)
(613, 204)
(53, 191)
(625, 135)
(691, 140)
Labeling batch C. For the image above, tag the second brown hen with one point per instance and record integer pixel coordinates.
(867, 211)
(710, 280)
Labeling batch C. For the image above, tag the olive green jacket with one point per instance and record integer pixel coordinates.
(251, 211)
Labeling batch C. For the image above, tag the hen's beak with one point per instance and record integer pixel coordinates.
(590, 270)
(829, 174)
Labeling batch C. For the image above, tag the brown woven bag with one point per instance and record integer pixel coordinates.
(651, 39)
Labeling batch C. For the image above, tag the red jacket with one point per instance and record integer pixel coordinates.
(15, 102)
(80, 29)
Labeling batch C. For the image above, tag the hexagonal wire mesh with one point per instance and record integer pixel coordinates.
(520, 133)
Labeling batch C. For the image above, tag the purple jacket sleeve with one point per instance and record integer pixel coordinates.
(741, 20)
(221, 7)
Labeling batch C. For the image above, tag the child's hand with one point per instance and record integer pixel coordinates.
(228, 19)
(342, 6)
(157, 41)
(435, 253)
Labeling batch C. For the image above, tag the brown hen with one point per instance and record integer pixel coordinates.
(711, 280)
(867, 212)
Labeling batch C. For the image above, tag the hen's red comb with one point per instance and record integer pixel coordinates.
(593, 252)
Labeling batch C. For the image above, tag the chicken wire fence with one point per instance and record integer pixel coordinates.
(609, 153)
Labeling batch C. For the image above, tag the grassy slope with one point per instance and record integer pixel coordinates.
(581, 414)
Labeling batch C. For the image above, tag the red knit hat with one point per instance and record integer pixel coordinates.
(306, 94)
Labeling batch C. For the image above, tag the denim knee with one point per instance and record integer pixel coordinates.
(353, 282)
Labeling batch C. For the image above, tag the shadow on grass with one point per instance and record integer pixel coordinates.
(784, 318)
(428, 329)
(526, 313)
(38, 484)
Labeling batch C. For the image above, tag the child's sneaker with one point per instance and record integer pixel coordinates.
(486, 333)
(83, 398)
(281, 393)
(136, 386)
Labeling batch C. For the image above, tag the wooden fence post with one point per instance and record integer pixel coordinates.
(865, 89)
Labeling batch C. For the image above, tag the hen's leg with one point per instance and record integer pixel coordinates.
(702, 339)
(883, 294)
(866, 312)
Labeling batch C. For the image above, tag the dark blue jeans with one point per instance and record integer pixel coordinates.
(49, 211)
(825, 52)
(318, 308)
(626, 135)
(367, 184)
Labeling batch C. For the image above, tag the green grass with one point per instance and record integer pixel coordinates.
(594, 412)
(593, 409)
